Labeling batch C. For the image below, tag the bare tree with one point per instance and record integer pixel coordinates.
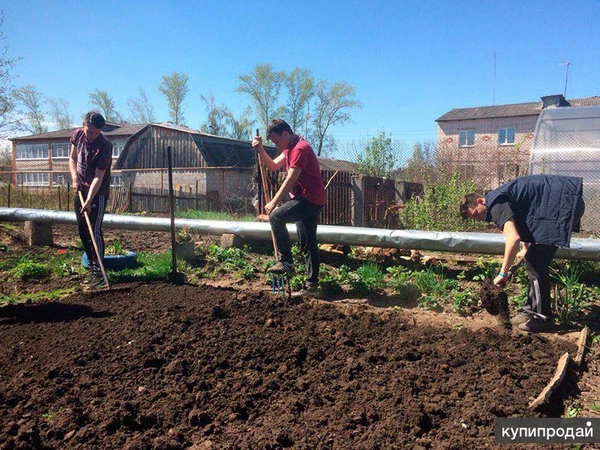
(102, 100)
(300, 89)
(175, 89)
(32, 102)
(332, 108)
(59, 111)
(263, 85)
(10, 114)
(140, 108)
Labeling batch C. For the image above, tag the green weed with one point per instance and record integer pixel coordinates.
(434, 288)
(27, 269)
(486, 269)
(368, 278)
(569, 292)
(115, 248)
(572, 412)
(463, 300)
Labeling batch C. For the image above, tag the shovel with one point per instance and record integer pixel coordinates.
(494, 298)
(89, 225)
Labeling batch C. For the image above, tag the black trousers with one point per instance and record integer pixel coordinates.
(96, 217)
(306, 216)
(537, 262)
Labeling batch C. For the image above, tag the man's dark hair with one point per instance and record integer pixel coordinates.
(469, 201)
(278, 126)
(95, 118)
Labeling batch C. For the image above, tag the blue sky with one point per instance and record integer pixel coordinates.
(410, 61)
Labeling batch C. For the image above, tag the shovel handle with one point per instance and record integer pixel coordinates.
(91, 231)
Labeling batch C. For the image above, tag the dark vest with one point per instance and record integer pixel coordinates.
(544, 207)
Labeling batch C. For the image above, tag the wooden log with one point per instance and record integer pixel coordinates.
(559, 375)
(581, 347)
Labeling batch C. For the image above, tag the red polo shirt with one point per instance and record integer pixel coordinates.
(310, 183)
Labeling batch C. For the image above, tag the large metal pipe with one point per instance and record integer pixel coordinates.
(491, 243)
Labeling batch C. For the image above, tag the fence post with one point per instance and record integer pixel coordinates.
(130, 202)
(59, 200)
(197, 206)
(9, 184)
(358, 204)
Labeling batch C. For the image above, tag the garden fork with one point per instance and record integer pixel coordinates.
(278, 280)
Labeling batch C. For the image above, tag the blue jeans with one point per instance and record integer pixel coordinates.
(306, 216)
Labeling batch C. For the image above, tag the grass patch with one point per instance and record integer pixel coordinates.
(149, 267)
(16, 298)
(215, 215)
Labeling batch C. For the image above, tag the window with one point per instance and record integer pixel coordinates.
(116, 180)
(466, 138)
(506, 136)
(61, 179)
(32, 151)
(117, 149)
(33, 179)
(60, 150)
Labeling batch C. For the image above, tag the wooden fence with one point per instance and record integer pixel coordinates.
(366, 201)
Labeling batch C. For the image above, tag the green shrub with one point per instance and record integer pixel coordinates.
(438, 210)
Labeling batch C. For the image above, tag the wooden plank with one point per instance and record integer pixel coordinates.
(581, 346)
(559, 375)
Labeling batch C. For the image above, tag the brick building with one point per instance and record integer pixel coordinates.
(491, 144)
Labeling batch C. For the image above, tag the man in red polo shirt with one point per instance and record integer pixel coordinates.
(304, 185)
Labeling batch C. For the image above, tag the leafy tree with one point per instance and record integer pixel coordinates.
(102, 100)
(175, 88)
(241, 128)
(140, 108)
(9, 112)
(218, 117)
(221, 121)
(420, 165)
(332, 108)
(300, 89)
(59, 111)
(379, 159)
(263, 85)
(32, 101)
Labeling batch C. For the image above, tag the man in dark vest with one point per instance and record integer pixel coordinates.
(541, 211)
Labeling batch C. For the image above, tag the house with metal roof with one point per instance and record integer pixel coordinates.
(491, 144)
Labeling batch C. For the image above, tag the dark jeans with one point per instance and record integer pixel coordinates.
(306, 216)
(537, 262)
(96, 217)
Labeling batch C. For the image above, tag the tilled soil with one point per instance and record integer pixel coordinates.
(158, 366)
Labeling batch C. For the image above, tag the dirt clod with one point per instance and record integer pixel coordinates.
(495, 302)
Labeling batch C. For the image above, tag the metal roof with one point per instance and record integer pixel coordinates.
(122, 130)
(337, 164)
(510, 110)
